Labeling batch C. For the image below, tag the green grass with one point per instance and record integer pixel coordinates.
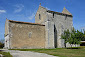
(6, 54)
(82, 46)
(61, 52)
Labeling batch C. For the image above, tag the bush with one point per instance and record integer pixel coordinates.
(6, 54)
(1, 43)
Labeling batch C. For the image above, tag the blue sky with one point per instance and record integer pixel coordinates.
(24, 10)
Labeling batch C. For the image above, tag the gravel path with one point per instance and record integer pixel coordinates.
(16, 53)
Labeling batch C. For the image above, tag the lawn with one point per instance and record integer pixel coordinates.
(6, 54)
(61, 52)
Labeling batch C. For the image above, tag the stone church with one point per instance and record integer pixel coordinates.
(44, 33)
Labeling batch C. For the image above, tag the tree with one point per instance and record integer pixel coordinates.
(83, 38)
(79, 36)
(73, 37)
(1, 43)
(65, 36)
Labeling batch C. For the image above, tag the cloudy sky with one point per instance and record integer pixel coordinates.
(25, 10)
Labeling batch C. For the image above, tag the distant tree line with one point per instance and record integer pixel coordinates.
(1, 43)
(73, 36)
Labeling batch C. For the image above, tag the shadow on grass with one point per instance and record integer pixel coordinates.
(73, 48)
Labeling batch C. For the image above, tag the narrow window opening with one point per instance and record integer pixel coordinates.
(65, 17)
(39, 16)
(53, 15)
(30, 34)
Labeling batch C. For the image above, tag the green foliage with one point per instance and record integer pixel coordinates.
(83, 38)
(1, 43)
(6, 54)
(73, 37)
(65, 36)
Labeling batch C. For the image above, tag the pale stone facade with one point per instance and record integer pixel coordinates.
(44, 33)
(25, 35)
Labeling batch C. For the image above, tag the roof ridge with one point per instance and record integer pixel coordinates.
(65, 11)
(43, 7)
(26, 22)
(60, 13)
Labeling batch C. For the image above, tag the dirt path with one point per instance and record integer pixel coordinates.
(16, 53)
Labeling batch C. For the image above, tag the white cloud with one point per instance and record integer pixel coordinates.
(83, 27)
(32, 16)
(18, 8)
(2, 11)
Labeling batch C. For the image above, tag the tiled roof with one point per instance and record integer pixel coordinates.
(26, 22)
(59, 13)
(66, 11)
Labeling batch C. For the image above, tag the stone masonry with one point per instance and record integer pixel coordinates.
(44, 33)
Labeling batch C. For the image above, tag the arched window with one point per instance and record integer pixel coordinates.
(39, 16)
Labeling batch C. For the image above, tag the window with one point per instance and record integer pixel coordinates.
(53, 15)
(65, 17)
(30, 34)
(39, 16)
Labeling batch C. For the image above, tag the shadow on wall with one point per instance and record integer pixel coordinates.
(55, 37)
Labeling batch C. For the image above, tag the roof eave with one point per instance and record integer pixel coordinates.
(26, 22)
(59, 13)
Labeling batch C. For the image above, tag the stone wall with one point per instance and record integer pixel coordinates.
(49, 28)
(43, 17)
(27, 35)
(61, 23)
(6, 27)
(6, 44)
(6, 35)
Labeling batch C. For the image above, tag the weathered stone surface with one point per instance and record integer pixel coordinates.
(42, 11)
(26, 35)
(48, 35)
(49, 28)
(61, 23)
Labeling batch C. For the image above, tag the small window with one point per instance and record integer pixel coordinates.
(53, 15)
(65, 17)
(30, 34)
(39, 16)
